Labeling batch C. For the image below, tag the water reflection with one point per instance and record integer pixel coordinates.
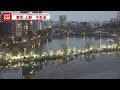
(117, 54)
(27, 70)
(90, 58)
(76, 41)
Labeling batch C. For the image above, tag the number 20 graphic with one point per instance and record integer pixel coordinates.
(7, 16)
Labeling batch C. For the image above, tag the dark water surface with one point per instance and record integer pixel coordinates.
(104, 65)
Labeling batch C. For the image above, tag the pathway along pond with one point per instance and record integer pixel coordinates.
(97, 65)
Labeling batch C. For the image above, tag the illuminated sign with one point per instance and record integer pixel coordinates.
(7, 16)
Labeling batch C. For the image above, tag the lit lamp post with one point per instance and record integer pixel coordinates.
(24, 42)
(32, 46)
(38, 36)
(24, 51)
(39, 44)
(6, 44)
(32, 42)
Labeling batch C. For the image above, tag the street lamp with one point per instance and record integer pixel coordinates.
(38, 36)
(24, 51)
(32, 46)
(6, 44)
(39, 44)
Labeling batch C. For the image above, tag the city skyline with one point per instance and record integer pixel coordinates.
(67, 46)
(81, 15)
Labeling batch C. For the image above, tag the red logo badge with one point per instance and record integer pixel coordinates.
(7, 16)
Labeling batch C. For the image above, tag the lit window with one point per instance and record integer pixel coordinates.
(30, 12)
(31, 22)
(26, 26)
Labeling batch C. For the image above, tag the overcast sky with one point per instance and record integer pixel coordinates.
(82, 15)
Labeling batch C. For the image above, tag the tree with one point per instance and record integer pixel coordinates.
(90, 45)
(118, 43)
(8, 43)
(30, 34)
(44, 31)
(6, 39)
(64, 47)
(41, 32)
(38, 32)
(18, 38)
(15, 51)
(85, 27)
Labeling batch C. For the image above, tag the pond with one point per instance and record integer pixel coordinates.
(99, 65)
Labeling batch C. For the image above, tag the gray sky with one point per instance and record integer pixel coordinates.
(82, 15)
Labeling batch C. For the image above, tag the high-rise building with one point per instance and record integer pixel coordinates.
(62, 20)
(16, 28)
(0, 25)
(33, 25)
(11, 29)
(0, 16)
(6, 29)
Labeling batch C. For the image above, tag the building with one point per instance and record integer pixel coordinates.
(11, 29)
(0, 24)
(114, 19)
(16, 28)
(105, 22)
(6, 29)
(43, 25)
(0, 16)
(118, 14)
(46, 24)
(30, 24)
(62, 20)
(50, 24)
